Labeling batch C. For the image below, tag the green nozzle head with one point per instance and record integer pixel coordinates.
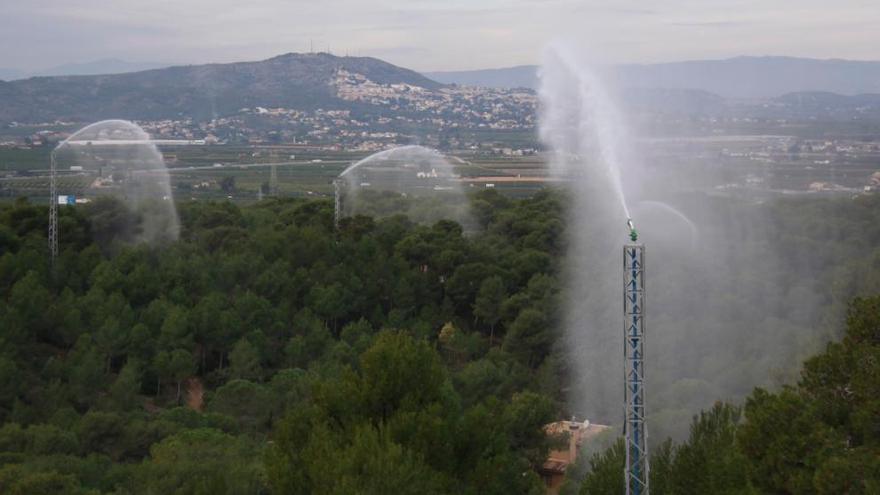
(632, 230)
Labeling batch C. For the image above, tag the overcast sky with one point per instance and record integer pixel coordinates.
(431, 34)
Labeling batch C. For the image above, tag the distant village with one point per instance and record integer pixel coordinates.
(371, 116)
(387, 114)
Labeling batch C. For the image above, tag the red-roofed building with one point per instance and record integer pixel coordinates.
(553, 469)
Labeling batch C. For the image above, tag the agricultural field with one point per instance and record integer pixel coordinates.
(21, 159)
(243, 173)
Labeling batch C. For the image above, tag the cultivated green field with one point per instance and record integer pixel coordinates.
(241, 173)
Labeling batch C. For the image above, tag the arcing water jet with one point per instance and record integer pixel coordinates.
(125, 162)
(755, 320)
(412, 180)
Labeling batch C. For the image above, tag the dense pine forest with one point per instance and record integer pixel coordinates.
(268, 350)
(819, 436)
(271, 351)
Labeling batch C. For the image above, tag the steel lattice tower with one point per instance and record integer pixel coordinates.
(637, 469)
(53, 211)
(273, 180)
(337, 202)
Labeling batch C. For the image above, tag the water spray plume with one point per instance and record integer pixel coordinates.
(127, 164)
(669, 218)
(589, 145)
(750, 326)
(580, 122)
(412, 180)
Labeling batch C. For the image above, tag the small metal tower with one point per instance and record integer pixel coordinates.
(53, 210)
(637, 470)
(273, 180)
(337, 202)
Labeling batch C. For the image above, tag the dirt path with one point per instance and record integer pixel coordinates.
(195, 393)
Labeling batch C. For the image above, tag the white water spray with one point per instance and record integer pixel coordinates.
(580, 123)
(723, 319)
(656, 216)
(412, 180)
(126, 163)
(588, 141)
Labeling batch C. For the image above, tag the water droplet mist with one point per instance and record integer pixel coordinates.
(721, 319)
(126, 164)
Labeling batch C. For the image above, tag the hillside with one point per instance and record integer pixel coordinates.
(291, 80)
(824, 99)
(673, 101)
(758, 77)
(7, 74)
(95, 67)
(521, 76)
(739, 77)
(103, 66)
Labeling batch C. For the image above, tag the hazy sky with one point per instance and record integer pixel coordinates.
(431, 34)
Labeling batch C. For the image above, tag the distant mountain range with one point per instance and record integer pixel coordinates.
(103, 66)
(521, 76)
(309, 81)
(199, 91)
(740, 77)
(7, 74)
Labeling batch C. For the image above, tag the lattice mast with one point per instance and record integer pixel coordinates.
(53, 210)
(273, 180)
(637, 471)
(337, 201)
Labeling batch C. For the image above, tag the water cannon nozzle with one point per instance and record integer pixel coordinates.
(632, 230)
